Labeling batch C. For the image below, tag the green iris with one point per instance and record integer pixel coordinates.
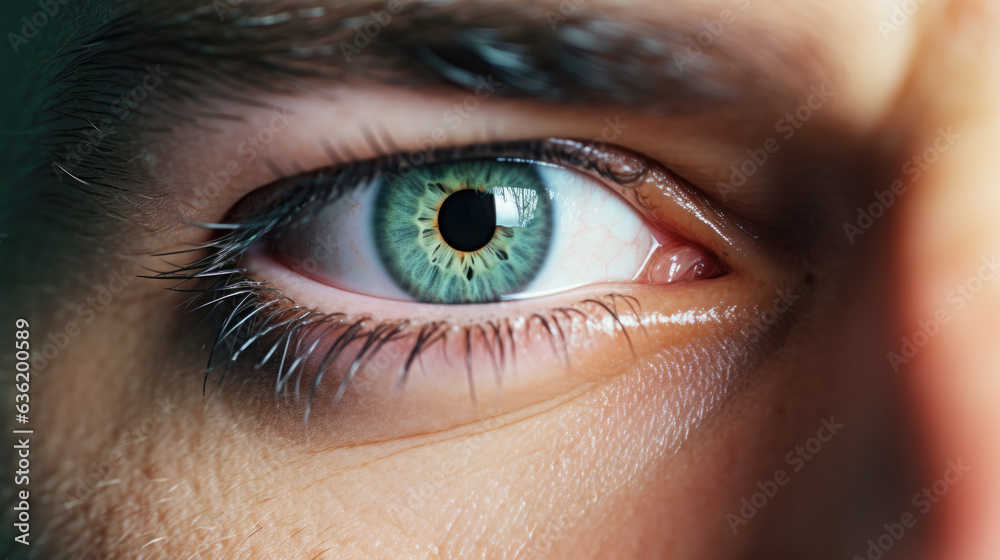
(463, 232)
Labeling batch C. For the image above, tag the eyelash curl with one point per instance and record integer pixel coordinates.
(256, 326)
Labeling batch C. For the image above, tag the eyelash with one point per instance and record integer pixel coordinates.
(254, 320)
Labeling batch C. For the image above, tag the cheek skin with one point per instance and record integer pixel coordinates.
(230, 461)
(639, 462)
(535, 367)
(214, 463)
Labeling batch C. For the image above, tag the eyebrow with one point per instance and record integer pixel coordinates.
(587, 56)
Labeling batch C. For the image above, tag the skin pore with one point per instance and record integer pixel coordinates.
(645, 423)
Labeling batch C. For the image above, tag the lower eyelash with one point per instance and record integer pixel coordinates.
(257, 324)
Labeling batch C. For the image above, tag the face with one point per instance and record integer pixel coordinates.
(511, 280)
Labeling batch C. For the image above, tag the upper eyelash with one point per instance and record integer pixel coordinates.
(253, 318)
(319, 187)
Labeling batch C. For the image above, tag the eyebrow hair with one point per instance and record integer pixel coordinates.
(591, 56)
(536, 51)
(80, 188)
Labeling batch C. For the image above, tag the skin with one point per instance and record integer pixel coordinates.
(644, 455)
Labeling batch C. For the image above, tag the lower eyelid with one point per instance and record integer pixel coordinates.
(314, 294)
(596, 236)
(603, 330)
(696, 327)
(518, 349)
(585, 341)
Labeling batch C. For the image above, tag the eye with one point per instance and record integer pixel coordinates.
(473, 231)
(411, 292)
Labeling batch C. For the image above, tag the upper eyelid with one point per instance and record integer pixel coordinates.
(695, 219)
(411, 117)
(202, 67)
(232, 245)
(328, 180)
(389, 163)
(681, 210)
(114, 51)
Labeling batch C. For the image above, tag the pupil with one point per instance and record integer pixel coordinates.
(467, 219)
